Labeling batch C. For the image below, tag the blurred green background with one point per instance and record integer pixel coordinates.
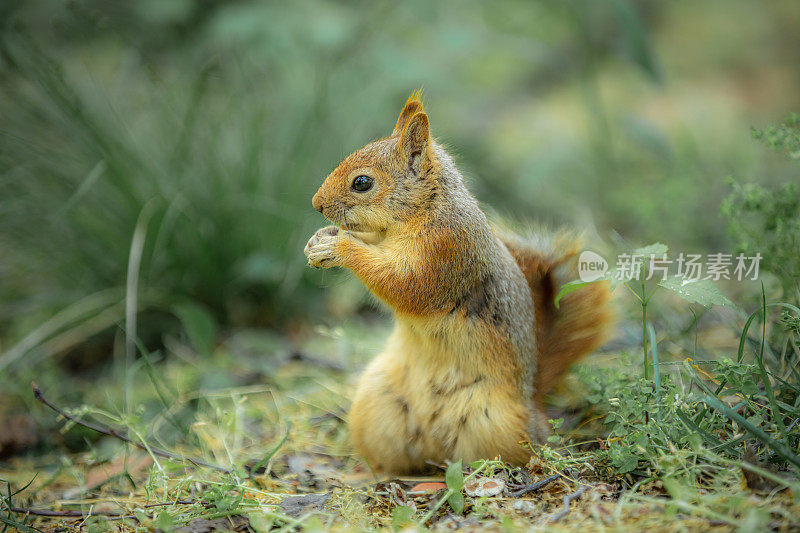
(162, 154)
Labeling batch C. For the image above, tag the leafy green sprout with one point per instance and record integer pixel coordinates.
(702, 292)
(712, 424)
(455, 480)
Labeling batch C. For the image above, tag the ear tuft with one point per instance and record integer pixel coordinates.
(416, 96)
(414, 139)
(412, 107)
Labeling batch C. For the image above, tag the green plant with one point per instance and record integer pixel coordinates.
(784, 137)
(455, 480)
(692, 413)
(767, 220)
(6, 506)
(183, 191)
(216, 222)
(634, 273)
(650, 417)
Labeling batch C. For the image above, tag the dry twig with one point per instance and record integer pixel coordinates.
(68, 513)
(37, 392)
(567, 499)
(535, 486)
(80, 514)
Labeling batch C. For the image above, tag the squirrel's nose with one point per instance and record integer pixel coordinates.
(317, 202)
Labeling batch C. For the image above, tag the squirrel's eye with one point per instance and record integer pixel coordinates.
(362, 183)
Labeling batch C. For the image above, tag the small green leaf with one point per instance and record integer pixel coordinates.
(678, 489)
(695, 441)
(657, 249)
(572, 286)
(164, 521)
(199, 324)
(625, 462)
(454, 479)
(755, 420)
(456, 501)
(401, 517)
(702, 292)
(260, 522)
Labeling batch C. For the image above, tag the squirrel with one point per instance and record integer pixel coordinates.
(477, 340)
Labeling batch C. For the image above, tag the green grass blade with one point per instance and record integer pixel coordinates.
(692, 426)
(778, 447)
(654, 350)
(271, 454)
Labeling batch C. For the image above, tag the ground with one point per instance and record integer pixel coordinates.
(273, 413)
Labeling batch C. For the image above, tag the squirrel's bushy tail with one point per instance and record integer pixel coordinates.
(583, 320)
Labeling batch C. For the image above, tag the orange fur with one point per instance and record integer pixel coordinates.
(582, 321)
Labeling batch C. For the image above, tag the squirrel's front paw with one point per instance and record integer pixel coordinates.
(321, 248)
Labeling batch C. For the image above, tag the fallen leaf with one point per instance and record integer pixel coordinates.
(535, 466)
(604, 491)
(399, 497)
(429, 486)
(311, 471)
(294, 506)
(205, 525)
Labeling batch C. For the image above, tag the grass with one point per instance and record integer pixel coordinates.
(711, 450)
(146, 179)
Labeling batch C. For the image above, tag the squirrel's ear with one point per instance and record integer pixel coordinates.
(411, 108)
(414, 141)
